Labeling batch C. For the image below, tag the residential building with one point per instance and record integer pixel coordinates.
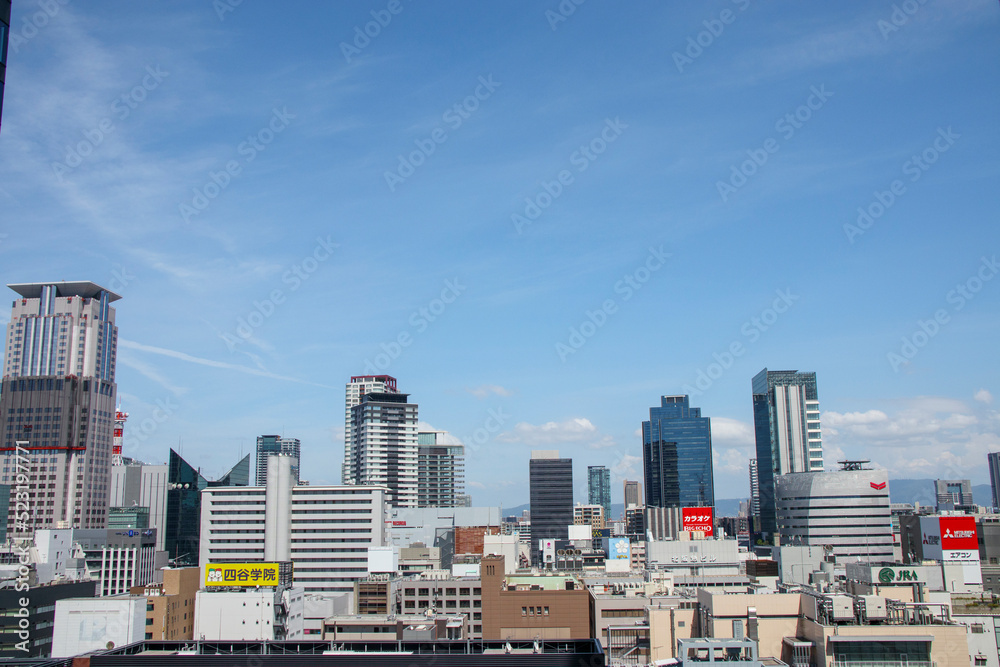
(58, 401)
(550, 479)
(183, 518)
(325, 531)
(170, 604)
(83, 625)
(993, 460)
(269, 445)
(846, 510)
(40, 615)
(385, 451)
(954, 494)
(440, 470)
(599, 488)
(142, 485)
(356, 388)
(787, 433)
(633, 493)
(589, 515)
(754, 492)
(433, 593)
(677, 455)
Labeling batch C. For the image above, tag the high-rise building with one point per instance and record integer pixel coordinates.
(183, 521)
(993, 459)
(384, 447)
(677, 455)
(633, 493)
(786, 430)
(599, 488)
(4, 34)
(269, 445)
(954, 494)
(440, 470)
(356, 388)
(143, 485)
(845, 510)
(551, 494)
(58, 402)
(754, 491)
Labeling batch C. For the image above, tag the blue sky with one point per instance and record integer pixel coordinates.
(280, 200)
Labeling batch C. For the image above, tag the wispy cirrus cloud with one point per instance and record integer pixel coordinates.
(576, 431)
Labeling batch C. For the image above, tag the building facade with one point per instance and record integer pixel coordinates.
(599, 488)
(677, 455)
(551, 495)
(385, 450)
(954, 494)
(356, 388)
(633, 493)
(268, 445)
(440, 470)
(142, 485)
(58, 398)
(787, 432)
(993, 459)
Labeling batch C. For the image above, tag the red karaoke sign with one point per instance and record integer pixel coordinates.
(697, 518)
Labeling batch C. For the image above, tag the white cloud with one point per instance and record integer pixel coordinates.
(576, 431)
(731, 432)
(984, 396)
(484, 390)
(445, 438)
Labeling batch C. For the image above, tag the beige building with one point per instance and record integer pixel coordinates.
(589, 515)
(170, 605)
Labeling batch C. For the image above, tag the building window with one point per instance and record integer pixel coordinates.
(977, 628)
(524, 611)
(546, 611)
(738, 628)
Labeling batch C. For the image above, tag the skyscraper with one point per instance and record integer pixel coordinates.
(4, 34)
(633, 493)
(384, 445)
(993, 458)
(954, 494)
(58, 400)
(440, 470)
(599, 488)
(677, 455)
(754, 491)
(786, 429)
(356, 388)
(269, 445)
(551, 493)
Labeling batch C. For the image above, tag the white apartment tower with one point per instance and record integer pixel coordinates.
(384, 446)
(356, 388)
(58, 404)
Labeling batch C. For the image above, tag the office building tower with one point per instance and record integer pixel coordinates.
(786, 430)
(599, 488)
(58, 400)
(993, 459)
(846, 510)
(551, 494)
(754, 491)
(954, 494)
(325, 531)
(633, 493)
(384, 430)
(269, 445)
(184, 487)
(440, 470)
(677, 455)
(4, 34)
(141, 485)
(356, 388)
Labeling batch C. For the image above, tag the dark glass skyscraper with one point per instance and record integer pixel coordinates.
(599, 489)
(677, 455)
(994, 462)
(551, 481)
(4, 35)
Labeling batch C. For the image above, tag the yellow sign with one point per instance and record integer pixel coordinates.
(241, 574)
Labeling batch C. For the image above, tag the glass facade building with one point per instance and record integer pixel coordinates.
(269, 445)
(787, 433)
(677, 455)
(599, 489)
(551, 494)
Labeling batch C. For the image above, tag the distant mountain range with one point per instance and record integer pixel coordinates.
(900, 491)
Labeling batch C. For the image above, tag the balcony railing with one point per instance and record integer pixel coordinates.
(883, 663)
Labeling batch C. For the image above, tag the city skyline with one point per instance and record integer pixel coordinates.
(535, 240)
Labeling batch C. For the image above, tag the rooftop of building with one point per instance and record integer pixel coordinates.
(81, 288)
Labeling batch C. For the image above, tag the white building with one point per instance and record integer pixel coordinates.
(93, 624)
(384, 446)
(253, 615)
(356, 388)
(142, 485)
(324, 530)
(847, 510)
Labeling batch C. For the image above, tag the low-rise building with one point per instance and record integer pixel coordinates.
(39, 611)
(170, 604)
(392, 627)
(90, 624)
